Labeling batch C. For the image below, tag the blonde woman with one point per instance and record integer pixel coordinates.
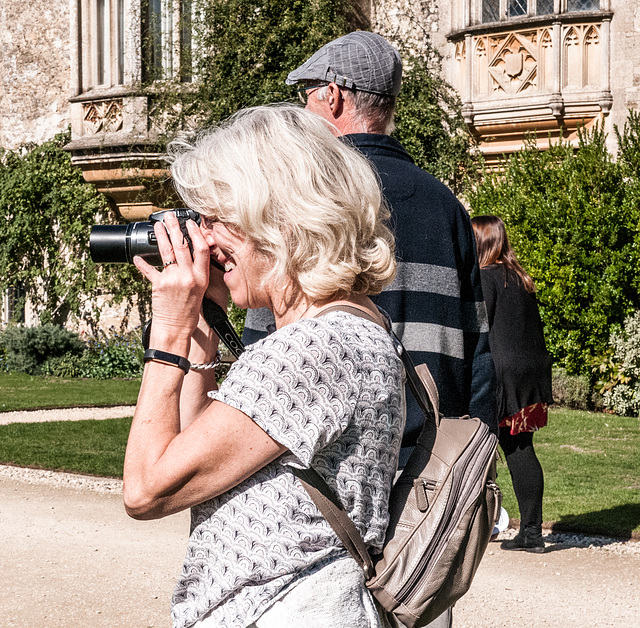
(296, 218)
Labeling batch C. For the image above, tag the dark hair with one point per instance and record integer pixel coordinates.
(494, 248)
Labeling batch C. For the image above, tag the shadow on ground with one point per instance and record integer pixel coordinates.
(619, 522)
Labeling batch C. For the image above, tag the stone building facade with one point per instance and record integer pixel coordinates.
(520, 66)
(531, 66)
(35, 70)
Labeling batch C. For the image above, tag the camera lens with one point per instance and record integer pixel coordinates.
(119, 244)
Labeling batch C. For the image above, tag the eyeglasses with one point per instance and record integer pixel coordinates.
(303, 92)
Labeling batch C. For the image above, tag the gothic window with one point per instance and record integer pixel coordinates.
(102, 40)
(544, 7)
(497, 10)
(517, 8)
(583, 5)
(13, 304)
(490, 11)
(103, 49)
(166, 40)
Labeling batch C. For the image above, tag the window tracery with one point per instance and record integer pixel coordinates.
(532, 65)
(499, 10)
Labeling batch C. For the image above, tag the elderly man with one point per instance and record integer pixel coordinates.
(436, 300)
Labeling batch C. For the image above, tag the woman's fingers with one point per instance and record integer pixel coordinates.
(201, 254)
(149, 271)
(175, 246)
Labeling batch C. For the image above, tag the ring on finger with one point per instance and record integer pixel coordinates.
(173, 261)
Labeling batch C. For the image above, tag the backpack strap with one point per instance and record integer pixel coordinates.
(331, 509)
(420, 380)
(425, 391)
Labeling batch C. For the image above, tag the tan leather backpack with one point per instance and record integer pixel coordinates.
(443, 509)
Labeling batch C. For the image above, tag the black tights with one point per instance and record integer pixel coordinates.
(526, 474)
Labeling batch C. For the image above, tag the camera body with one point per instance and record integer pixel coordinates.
(119, 244)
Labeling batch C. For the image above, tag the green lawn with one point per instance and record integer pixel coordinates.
(25, 392)
(591, 466)
(591, 461)
(87, 447)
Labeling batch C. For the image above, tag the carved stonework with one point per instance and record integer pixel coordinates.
(507, 64)
(102, 116)
(581, 56)
(520, 63)
(514, 67)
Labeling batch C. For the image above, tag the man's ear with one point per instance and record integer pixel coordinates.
(334, 100)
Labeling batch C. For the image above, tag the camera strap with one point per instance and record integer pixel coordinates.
(218, 320)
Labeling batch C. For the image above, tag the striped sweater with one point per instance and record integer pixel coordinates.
(436, 299)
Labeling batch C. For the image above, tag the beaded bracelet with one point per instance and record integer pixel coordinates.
(208, 365)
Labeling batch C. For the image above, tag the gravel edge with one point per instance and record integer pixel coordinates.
(113, 486)
(65, 414)
(58, 479)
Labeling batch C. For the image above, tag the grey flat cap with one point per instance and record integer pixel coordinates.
(360, 60)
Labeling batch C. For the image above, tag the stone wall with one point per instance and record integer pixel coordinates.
(34, 70)
(625, 62)
(408, 21)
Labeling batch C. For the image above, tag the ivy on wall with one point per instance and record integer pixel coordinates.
(46, 212)
(429, 121)
(243, 51)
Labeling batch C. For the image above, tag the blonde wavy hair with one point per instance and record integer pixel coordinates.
(309, 202)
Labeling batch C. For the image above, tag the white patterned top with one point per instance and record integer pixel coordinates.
(331, 390)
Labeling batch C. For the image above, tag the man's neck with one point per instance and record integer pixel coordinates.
(350, 125)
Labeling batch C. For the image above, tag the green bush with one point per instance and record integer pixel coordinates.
(46, 214)
(113, 354)
(67, 366)
(572, 215)
(570, 391)
(3, 357)
(619, 371)
(27, 349)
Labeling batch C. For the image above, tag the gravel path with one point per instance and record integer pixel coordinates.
(65, 414)
(71, 558)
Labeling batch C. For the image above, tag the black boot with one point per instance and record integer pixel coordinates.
(527, 540)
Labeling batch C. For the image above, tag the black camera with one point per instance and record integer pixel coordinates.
(119, 244)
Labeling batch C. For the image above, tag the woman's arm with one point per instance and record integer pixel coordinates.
(183, 448)
(167, 470)
(489, 294)
(197, 383)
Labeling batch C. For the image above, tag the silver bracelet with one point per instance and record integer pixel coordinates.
(208, 365)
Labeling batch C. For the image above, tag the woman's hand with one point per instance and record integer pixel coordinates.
(177, 289)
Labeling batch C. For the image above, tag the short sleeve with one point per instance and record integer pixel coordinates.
(299, 385)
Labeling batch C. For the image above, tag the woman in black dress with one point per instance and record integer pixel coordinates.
(523, 369)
